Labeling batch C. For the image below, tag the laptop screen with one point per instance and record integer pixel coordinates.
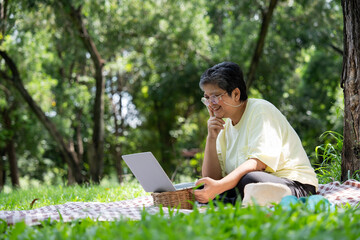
(148, 172)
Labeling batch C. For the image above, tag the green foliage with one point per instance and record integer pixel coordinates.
(329, 155)
(300, 67)
(222, 222)
(312, 99)
(60, 194)
(154, 53)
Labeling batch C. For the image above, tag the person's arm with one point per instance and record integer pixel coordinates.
(211, 165)
(231, 180)
(214, 187)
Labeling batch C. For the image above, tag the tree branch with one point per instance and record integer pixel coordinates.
(5, 76)
(260, 43)
(76, 18)
(69, 156)
(3, 16)
(10, 63)
(336, 49)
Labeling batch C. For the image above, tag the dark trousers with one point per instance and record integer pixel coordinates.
(297, 189)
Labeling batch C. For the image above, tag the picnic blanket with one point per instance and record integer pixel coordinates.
(127, 209)
(341, 194)
(335, 192)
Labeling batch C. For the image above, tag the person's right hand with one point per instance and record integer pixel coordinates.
(210, 190)
(215, 124)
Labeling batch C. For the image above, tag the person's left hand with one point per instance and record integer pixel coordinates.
(209, 192)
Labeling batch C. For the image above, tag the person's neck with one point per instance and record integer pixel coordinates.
(238, 114)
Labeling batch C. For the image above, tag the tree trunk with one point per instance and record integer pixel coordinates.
(266, 19)
(166, 140)
(78, 149)
(98, 129)
(2, 169)
(97, 163)
(78, 136)
(10, 151)
(350, 83)
(119, 125)
(3, 16)
(69, 156)
(117, 160)
(9, 148)
(14, 171)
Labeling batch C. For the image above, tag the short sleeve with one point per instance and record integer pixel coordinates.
(264, 142)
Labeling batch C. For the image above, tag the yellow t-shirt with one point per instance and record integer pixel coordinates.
(264, 133)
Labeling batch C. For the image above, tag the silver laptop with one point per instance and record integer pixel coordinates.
(150, 174)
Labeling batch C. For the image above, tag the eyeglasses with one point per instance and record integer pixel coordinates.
(214, 99)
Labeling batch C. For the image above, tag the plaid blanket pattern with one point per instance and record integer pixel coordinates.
(348, 192)
(340, 194)
(130, 209)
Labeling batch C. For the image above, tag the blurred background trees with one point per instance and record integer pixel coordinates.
(115, 77)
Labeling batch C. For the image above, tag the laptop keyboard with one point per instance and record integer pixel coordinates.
(180, 186)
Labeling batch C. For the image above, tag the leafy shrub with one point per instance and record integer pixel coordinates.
(329, 156)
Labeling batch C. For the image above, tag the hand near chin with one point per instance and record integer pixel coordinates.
(209, 192)
(215, 124)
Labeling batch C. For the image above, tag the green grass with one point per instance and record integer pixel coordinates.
(329, 154)
(21, 199)
(224, 222)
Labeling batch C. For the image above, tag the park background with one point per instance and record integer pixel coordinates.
(98, 79)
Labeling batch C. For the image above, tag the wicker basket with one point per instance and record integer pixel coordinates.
(182, 198)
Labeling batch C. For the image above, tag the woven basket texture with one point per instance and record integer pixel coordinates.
(179, 199)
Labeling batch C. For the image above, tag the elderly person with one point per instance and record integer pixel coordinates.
(248, 141)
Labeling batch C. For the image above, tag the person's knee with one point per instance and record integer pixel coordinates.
(251, 177)
(246, 179)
